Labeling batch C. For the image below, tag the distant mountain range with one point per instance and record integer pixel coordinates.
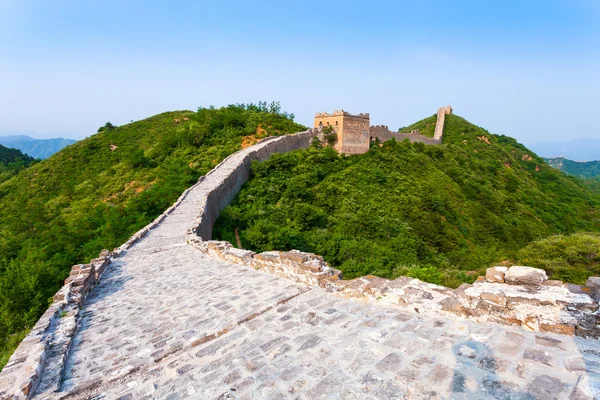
(36, 148)
(587, 169)
(583, 149)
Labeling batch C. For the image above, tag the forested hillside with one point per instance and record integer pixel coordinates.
(588, 171)
(11, 162)
(439, 213)
(97, 192)
(582, 169)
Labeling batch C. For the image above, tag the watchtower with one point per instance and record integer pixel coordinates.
(352, 130)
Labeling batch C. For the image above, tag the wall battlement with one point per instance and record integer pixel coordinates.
(337, 113)
(382, 133)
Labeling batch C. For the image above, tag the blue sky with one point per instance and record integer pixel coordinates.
(528, 69)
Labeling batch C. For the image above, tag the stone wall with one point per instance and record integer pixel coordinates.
(47, 346)
(234, 171)
(382, 133)
(355, 137)
(519, 296)
(441, 117)
(354, 134)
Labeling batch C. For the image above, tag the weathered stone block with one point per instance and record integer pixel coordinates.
(514, 301)
(495, 274)
(593, 283)
(297, 256)
(452, 305)
(553, 282)
(268, 256)
(497, 298)
(564, 329)
(525, 276)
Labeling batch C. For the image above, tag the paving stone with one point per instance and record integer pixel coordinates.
(541, 356)
(391, 362)
(545, 387)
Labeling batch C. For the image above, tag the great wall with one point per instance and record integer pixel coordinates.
(172, 314)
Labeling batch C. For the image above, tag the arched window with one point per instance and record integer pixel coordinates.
(321, 125)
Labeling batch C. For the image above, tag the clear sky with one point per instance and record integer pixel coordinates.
(528, 68)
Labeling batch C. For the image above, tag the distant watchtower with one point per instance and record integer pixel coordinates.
(352, 130)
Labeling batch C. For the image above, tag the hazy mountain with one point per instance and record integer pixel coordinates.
(583, 149)
(36, 148)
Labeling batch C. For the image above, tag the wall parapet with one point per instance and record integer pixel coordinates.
(382, 133)
(520, 296)
(542, 306)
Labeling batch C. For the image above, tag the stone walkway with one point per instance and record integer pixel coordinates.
(167, 322)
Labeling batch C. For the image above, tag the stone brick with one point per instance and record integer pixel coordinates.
(593, 283)
(451, 305)
(563, 329)
(495, 274)
(498, 298)
(525, 276)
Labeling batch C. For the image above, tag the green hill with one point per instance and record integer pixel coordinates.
(12, 161)
(588, 171)
(440, 213)
(573, 257)
(582, 169)
(95, 193)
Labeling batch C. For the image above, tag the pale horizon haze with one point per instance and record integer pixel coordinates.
(530, 70)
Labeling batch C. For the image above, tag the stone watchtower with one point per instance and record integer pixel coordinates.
(352, 130)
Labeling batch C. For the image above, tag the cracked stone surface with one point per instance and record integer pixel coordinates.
(167, 322)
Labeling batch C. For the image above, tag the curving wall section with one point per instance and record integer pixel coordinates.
(46, 348)
(519, 296)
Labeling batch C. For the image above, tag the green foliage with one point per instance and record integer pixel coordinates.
(572, 258)
(107, 127)
(97, 192)
(12, 161)
(593, 184)
(329, 135)
(426, 126)
(438, 213)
